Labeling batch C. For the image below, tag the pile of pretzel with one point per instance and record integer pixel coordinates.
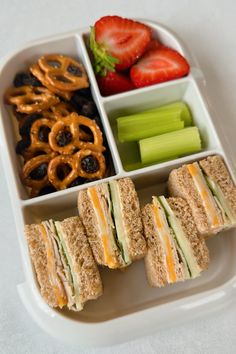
(63, 145)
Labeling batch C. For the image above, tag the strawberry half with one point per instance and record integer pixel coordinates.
(154, 44)
(159, 65)
(117, 43)
(114, 83)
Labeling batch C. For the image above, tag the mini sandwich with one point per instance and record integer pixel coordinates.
(176, 251)
(210, 192)
(111, 215)
(65, 268)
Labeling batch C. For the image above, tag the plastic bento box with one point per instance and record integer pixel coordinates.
(129, 308)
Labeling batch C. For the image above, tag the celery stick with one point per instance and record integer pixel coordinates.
(178, 109)
(185, 113)
(169, 145)
(146, 124)
(145, 129)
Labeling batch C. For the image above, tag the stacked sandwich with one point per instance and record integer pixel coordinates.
(210, 192)
(65, 254)
(112, 231)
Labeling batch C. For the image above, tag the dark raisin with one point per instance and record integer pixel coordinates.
(63, 170)
(86, 92)
(22, 79)
(47, 189)
(89, 164)
(63, 138)
(77, 182)
(84, 106)
(22, 145)
(74, 70)
(25, 129)
(89, 109)
(44, 130)
(39, 172)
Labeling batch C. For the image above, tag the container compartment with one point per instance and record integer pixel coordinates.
(159, 32)
(126, 292)
(68, 45)
(184, 90)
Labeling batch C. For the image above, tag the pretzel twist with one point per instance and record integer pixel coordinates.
(63, 73)
(53, 171)
(73, 124)
(100, 160)
(30, 99)
(30, 166)
(36, 143)
(32, 152)
(37, 72)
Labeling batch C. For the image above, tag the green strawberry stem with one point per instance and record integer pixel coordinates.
(103, 62)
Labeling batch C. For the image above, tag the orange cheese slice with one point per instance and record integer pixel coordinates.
(110, 259)
(205, 194)
(53, 277)
(165, 239)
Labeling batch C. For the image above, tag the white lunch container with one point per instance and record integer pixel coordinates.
(129, 308)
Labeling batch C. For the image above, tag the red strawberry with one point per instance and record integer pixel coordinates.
(117, 43)
(114, 83)
(159, 65)
(154, 44)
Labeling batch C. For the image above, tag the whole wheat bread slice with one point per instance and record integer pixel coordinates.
(180, 184)
(84, 266)
(182, 211)
(38, 256)
(132, 219)
(215, 168)
(154, 261)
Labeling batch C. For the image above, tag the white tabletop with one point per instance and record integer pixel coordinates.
(208, 28)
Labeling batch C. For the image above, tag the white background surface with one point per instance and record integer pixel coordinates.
(209, 29)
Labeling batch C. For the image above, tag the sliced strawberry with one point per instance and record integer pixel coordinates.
(154, 44)
(119, 38)
(114, 83)
(158, 65)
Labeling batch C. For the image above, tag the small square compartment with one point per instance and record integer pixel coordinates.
(185, 90)
(70, 45)
(160, 33)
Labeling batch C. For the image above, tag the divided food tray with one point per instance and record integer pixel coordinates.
(129, 308)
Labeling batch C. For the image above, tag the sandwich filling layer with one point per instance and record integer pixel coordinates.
(122, 237)
(71, 283)
(208, 201)
(53, 265)
(166, 240)
(181, 240)
(100, 199)
(222, 202)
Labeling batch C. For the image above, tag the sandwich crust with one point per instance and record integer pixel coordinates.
(132, 219)
(84, 266)
(38, 255)
(180, 184)
(215, 168)
(183, 212)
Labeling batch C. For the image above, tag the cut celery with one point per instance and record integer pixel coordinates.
(153, 122)
(146, 129)
(185, 113)
(170, 145)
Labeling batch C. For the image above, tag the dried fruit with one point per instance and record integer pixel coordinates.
(89, 164)
(39, 172)
(24, 79)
